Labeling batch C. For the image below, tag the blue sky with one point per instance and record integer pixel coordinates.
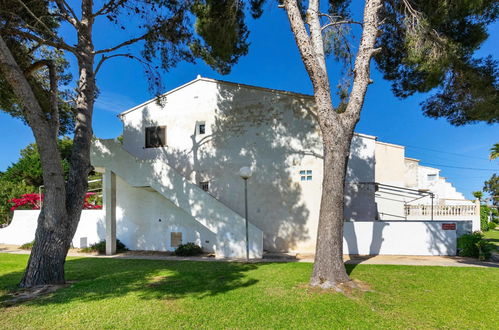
(273, 61)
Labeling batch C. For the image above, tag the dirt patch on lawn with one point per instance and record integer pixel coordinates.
(23, 295)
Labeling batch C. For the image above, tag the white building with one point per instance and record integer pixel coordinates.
(174, 178)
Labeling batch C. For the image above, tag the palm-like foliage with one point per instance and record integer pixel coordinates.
(494, 151)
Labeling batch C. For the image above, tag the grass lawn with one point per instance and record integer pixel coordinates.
(492, 236)
(112, 293)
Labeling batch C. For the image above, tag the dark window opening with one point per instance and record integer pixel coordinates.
(205, 185)
(155, 136)
(202, 129)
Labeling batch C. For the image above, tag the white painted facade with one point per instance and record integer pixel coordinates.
(405, 189)
(151, 193)
(364, 238)
(399, 238)
(274, 132)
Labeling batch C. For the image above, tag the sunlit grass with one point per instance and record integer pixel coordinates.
(112, 293)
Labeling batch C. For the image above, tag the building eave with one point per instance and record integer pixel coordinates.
(224, 82)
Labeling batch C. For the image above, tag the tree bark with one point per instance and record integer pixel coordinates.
(63, 202)
(53, 236)
(46, 263)
(337, 130)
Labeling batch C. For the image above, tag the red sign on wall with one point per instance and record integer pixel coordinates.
(449, 226)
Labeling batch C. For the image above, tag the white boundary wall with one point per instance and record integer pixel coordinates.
(91, 228)
(364, 238)
(399, 238)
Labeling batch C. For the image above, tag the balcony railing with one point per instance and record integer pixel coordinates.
(441, 210)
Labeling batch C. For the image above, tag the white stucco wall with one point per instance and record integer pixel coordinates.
(142, 230)
(145, 220)
(155, 177)
(400, 180)
(91, 228)
(273, 132)
(398, 238)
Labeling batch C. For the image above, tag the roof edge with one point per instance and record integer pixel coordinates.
(216, 81)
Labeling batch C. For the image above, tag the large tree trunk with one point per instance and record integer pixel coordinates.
(46, 263)
(62, 206)
(329, 269)
(337, 130)
(63, 202)
(59, 219)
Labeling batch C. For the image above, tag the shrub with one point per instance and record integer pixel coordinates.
(484, 249)
(484, 217)
(8, 191)
(101, 247)
(473, 245)
(27, 246)
(492, 225)
(188, 249)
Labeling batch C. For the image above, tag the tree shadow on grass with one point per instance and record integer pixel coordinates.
(98, 279)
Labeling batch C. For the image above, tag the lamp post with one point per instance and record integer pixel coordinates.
(245, 174)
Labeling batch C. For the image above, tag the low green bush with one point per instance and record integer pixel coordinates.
(27, 246)
(101, 247)
(484, 217)
(492, 225)
(473, 245)
(188, 249)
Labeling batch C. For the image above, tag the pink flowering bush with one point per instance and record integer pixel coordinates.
(27, 202)
(91, 202)
(34, 202)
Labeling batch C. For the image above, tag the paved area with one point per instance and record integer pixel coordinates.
(368, 260)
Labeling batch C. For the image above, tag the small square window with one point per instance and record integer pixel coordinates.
(155, 136)
(305, 175)
(176, 239)
(205, 185)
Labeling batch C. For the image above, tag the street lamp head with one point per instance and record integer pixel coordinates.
(245, 172)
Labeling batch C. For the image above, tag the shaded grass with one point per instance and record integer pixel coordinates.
(113, 293)
(492, 236)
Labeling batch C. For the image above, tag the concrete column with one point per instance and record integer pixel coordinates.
(475, 223)
(109, 200)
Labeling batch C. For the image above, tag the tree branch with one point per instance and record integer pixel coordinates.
(127, 55)
(339, 23)
(59, 44)
(363, 62)
(105, 58)
(123, 44)
(312, 53)
(109, 7)
(67, 13)
(23, 90)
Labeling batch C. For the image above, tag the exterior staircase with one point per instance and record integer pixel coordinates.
(227, 225)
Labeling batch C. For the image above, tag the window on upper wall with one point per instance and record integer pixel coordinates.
(305, 175)
(155, 136)
(431, 177)
(201, 128)
(205, 185)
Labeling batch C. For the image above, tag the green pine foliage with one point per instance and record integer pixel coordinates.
(9, 190)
